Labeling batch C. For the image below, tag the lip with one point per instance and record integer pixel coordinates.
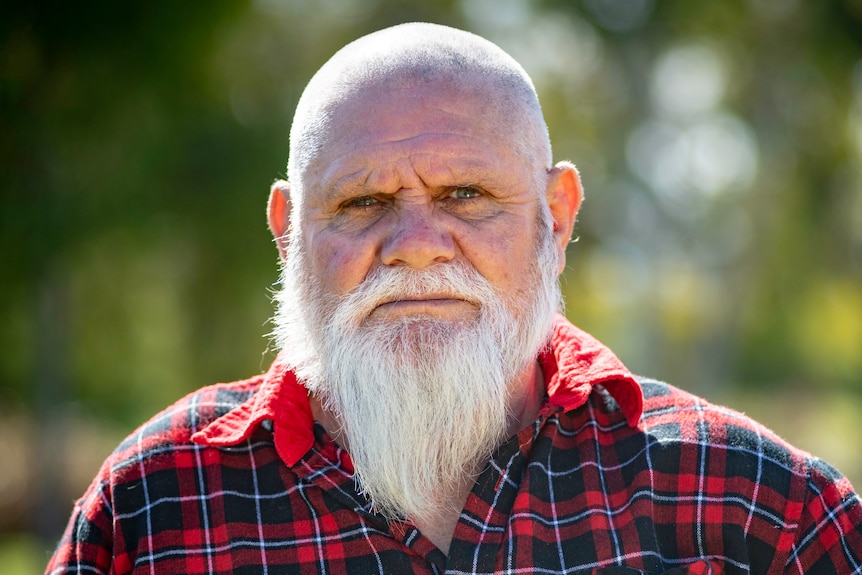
(430, 304)
(423, 301)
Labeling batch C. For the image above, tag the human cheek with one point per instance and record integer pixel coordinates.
(504, 259)
(343, 265)
(490, 254)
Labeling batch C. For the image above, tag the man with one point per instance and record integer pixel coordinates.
(429, 412)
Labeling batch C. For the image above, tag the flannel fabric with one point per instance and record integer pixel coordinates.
(616, 476)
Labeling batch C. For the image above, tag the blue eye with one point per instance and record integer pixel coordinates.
(464, 193)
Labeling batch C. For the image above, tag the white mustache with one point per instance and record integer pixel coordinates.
(393, 283)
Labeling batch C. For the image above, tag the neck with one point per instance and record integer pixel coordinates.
(525, 398)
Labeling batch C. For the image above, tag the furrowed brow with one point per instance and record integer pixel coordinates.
(348, 185)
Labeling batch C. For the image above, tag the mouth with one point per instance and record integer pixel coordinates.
(426, 304)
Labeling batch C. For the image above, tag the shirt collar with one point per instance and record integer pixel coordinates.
(280, 399)
(572, 364)
(575, 362)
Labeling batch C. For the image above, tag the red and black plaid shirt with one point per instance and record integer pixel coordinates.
(616, 476)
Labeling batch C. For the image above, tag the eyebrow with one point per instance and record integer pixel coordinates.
(458, 173)
(346, 185)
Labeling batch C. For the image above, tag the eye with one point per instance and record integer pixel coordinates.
(361, 202)
(464, 193)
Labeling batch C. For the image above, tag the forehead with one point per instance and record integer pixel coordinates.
(439, 130)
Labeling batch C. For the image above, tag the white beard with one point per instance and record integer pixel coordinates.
(423, 401)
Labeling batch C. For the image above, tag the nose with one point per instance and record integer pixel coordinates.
(417, 239)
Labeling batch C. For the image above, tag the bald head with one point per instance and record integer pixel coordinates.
(409, 56)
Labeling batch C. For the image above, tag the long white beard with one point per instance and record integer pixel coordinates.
(422, 401)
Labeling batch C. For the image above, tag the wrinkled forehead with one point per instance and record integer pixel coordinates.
(456, 124)
(437, 126)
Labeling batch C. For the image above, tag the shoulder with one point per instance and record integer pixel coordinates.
(674, 415)
(725, 443)
(670, 411)
(154, 465)
(171, 429)
(709, 481)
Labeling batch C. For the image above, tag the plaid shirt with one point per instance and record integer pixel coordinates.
(616, 476)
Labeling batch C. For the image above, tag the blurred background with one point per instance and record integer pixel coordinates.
(719, 247)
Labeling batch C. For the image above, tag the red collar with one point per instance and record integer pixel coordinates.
(574, 364)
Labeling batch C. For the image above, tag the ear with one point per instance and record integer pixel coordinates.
(564, 195)
(278, 214)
